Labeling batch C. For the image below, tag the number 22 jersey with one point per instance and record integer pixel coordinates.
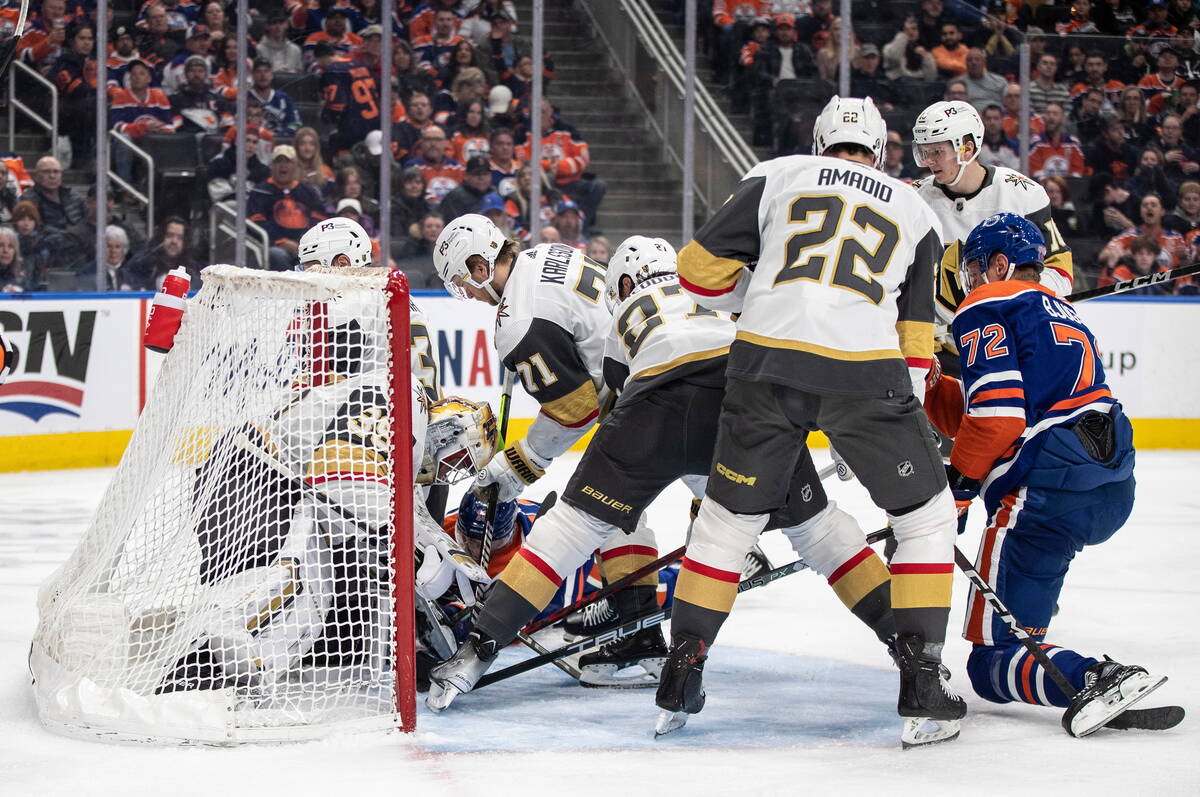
(831, 265)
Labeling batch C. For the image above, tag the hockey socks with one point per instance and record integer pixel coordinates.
(1010, 673)
(923, 567)
(524, 588)
(863, 585)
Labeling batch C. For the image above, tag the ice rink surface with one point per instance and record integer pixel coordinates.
(801, 697)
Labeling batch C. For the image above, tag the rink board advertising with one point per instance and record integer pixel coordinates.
(82, 375)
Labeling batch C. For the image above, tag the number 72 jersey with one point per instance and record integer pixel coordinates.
(1029, 364)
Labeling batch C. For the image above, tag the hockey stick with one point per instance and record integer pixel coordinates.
(647, 621)
(1143, 281)
(493, 496)
(624, 581)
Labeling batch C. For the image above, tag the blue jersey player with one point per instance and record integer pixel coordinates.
(1040, 437)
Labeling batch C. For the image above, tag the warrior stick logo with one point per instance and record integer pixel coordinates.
(50, 370)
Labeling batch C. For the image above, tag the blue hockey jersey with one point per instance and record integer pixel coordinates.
(1029, 364)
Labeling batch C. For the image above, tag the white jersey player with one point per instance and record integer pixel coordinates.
(962, 193)
(830, 264)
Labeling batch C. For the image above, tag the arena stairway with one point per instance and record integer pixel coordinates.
(644, 190)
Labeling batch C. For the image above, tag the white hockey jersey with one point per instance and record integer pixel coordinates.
(550, 329)
(831, 264)
(1003, 190)
(659, 335)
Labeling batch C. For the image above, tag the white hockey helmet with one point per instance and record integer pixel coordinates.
(327, 239)
(948, 121)
(460, 439)
(850, 120)
(468, 235)
(638, 257)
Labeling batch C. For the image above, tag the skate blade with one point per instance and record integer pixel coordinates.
(642, 675)
(440, 696)
(669, 721)
(923, 731)
(1095, 714)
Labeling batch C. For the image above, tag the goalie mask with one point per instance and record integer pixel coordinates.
(850, 120)
(953, 122)
(465, 237)
(460, 439)
(325, 240)
(639, 258)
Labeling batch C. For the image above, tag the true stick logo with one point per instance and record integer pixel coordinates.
(736, 477)
(39, 389)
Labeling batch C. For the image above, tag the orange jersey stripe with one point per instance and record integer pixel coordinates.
(998, 393)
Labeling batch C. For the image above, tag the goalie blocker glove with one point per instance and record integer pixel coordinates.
(512, 470)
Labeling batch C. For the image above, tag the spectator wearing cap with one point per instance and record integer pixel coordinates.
(476, 25)
(1111, 153)
(43, 42)
(984, 88)
(502, 41)
(1156, 24)
(500, 107)
(868, 80)
(351, 208)
(1164, 78)
(442, 173)
(222, 168)
(275, 46)
(57, 207)
(467, 196)
(568, 219)
(156, 42)
(75, 76)
(950, 55)
(196, 107)
(197, 45)
(121, 52)
(280, 115)
(492, 206)
(371, 50)
(365, 156)
(503, 165)
(1185, 219)
(336, 34)
(284, 207)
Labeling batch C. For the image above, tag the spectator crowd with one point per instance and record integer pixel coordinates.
(460, 133)
(1115, 124)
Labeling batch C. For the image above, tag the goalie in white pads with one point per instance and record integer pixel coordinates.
(830, 264)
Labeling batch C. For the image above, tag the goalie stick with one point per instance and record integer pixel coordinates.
(646, 621)
(1143, 281)
(493, 493)
(624, 581)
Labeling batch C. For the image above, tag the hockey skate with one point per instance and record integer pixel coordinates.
(459, 674)
(930, 707)
(595, 618)
(682, 689)
(646, 649)
(1110, 689)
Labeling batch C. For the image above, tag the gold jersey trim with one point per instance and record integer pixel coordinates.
(694, 357)
(916, 338)
(704, 269)
(821, 351)
(580, 405)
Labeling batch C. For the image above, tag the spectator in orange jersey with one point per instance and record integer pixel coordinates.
(284, 207)
(224, 81)
(565, 158)
(442, 173)
(1095, 70)
(951, 55)
(1012, 114)
(44, 39)
(1054, 153)
(1165, 77)
(1172, 245)
(310, 166)
(1145, 257)
(75, 76)
(406, 134)
(336, 34)
(471, 133)
(745, 72)
(733, 19)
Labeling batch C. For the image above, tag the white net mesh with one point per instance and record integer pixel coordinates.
(236, 581)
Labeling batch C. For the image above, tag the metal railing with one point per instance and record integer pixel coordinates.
(49, 125)
(147, 198)
(654, 70)
(222, 219)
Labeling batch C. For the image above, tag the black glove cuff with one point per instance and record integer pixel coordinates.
(960, 482)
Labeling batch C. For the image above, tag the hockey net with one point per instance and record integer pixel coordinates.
(248, 573)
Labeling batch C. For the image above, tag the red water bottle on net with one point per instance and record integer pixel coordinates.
(166, 311)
